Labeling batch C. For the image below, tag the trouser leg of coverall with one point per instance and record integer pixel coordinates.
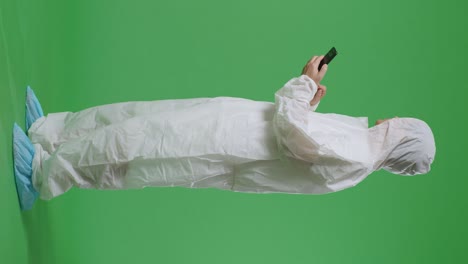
(57, 128)
(124, 155)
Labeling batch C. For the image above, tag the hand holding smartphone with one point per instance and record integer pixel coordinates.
(310, 67)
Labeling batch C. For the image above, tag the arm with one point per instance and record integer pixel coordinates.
(290, 121)
(292, 103)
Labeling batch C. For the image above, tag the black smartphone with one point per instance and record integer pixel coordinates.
(328, 57)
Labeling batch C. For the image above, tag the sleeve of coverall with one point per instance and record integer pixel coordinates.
(290, 121)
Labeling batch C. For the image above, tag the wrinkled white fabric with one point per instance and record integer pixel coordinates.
(223, 142)
(408, 147)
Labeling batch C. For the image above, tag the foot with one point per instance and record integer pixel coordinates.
(33, 108)
(23, 154)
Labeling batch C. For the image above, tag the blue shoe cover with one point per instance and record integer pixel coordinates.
(23, 153)
(33, 108)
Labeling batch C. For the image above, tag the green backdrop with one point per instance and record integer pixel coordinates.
(396, 58)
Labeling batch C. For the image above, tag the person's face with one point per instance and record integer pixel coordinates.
(379, 121)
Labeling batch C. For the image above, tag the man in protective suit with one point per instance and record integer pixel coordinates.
(228, 143)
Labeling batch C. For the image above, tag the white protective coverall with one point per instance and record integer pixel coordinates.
(223, 142)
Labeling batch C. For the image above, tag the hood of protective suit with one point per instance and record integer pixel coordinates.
(403, 146)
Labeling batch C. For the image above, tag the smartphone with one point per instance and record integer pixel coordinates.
(328, 57)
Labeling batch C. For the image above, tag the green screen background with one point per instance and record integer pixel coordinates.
(396, 58)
